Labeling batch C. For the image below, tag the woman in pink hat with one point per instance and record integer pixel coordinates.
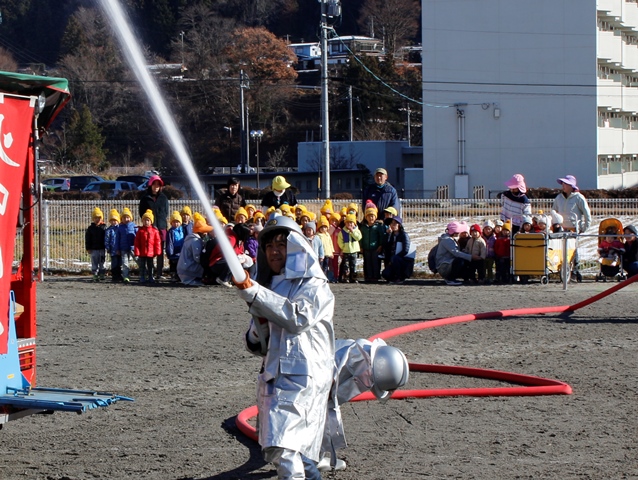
(514, 203)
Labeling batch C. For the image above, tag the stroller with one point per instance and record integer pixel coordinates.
(611, 249)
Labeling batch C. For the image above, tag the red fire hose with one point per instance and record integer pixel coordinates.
(531, 385)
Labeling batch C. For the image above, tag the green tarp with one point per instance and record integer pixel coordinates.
(56, 91)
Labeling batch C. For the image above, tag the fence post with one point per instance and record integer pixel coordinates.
(47, 239)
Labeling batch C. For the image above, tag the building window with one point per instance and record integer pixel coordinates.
(357, 183)
(348, 183)
(603, 169)
(308, 185)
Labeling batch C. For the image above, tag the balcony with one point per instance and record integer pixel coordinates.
(610, 47)
(630, 57)
(629, 13)
(630, 99)
(613, 8)
(610, 141)
(630, 141)
(609, 94)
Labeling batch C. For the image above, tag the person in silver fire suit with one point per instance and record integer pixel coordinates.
(361, 366)
(292, 308)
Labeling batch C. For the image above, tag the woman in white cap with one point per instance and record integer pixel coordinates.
(573, 207)
(279, 195)
(514, 203)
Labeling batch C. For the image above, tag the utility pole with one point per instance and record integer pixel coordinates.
(181, 34)
(325, 134)
(408, 109)
(329, 9)
(350, 111)
(243, 135)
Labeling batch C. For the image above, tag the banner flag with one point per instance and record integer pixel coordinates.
(16, 125)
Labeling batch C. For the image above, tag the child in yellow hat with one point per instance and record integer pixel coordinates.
(328, 247)
(373, 233)
(187, 223)
(126, 231)
(148, 245)
(110, 244)
(94, 243)
(348, 239)
(174, 243)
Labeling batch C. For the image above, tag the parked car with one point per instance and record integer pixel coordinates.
(136, 179)
(56, 184)
(110, 188)
(78, 182)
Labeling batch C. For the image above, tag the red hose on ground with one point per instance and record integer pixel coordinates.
(532, 385)
(609, 291)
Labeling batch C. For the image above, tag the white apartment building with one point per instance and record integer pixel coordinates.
(544, 88)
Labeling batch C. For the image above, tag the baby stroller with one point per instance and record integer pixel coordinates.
(611, 249)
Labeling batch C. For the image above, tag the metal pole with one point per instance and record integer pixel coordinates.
(350, 112)
(242, 115)
(47, 233)
(409, 133)
(565, 266)
(257, 161)
(325, 135)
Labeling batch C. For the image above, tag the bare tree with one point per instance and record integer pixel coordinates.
(7, 63)
(339, 159)
(277, 159)
(398, 20)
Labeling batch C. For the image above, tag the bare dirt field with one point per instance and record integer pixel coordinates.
(178, 351)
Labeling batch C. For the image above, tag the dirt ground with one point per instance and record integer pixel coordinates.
(178, 351)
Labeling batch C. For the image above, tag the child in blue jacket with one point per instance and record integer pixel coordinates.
(174, 243)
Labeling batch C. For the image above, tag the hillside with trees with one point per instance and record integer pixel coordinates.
(108, 122)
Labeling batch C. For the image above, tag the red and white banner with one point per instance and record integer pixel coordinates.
(16, 123)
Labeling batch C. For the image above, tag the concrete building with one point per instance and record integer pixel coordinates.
(539, 87)
(397, 157)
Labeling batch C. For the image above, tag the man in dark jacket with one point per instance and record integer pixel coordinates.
(157, 202)
(229, 200)
(382, 194)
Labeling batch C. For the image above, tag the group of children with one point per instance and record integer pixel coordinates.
(489, 245)
(125, 243)
(195, 258)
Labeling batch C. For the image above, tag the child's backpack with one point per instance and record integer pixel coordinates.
(432, 258)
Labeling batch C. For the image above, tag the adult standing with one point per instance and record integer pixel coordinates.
(381, 192)
(291, 327)
(514, 203)
(279, 195)
(156, 201)
(229, 199)
(573, 207)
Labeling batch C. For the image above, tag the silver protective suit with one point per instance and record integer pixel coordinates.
(297, 374)
(352, 376)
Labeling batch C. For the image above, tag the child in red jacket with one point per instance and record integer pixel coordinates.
(148, 245)
(502, 254)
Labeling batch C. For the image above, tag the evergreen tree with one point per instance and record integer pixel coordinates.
(86, 140)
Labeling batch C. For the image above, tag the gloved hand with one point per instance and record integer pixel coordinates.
(259, 330)
(247, 283)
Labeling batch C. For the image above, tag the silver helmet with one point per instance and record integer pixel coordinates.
(279, 222)
(390, 371)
